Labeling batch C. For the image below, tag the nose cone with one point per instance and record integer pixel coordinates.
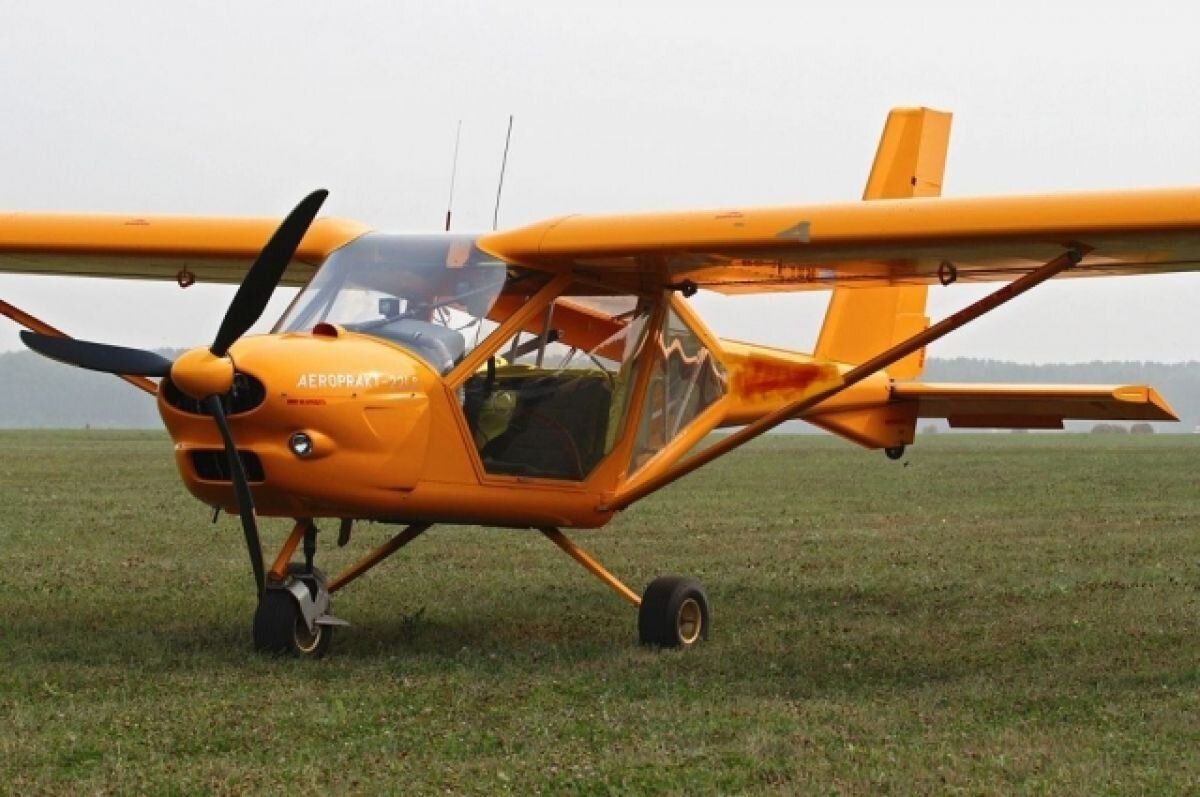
(199, 373)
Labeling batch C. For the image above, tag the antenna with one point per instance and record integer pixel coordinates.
(503, 164)
(453, 173)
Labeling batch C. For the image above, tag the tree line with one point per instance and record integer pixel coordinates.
(37, 393)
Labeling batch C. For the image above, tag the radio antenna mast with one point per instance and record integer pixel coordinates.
(453, 174)
(503, 164)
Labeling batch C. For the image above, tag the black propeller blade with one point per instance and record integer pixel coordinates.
(266, 272)
(97, 356)
(241, 486)
(245, 309)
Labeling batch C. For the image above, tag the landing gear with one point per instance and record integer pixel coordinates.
(293, 612)
(674, 613)
(292, 618)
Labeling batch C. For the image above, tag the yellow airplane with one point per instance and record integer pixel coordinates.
(550, 376)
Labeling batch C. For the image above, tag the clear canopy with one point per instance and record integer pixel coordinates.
(429, 294)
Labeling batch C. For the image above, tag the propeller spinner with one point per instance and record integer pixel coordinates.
(206, 374)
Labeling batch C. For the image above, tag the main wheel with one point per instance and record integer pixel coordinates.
(279, 626)
(674, 613)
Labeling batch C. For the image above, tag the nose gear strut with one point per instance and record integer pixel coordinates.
(293, 614)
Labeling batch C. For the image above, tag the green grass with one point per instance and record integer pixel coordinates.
(1006, 613)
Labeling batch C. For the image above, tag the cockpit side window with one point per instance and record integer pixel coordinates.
(685, 379)
(552, 401)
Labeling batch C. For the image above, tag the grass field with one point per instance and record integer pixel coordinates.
(1005, 613)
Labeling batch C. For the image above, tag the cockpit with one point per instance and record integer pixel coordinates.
(429, 294)
(591, 370)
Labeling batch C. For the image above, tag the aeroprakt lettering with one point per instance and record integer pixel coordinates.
(363, 381)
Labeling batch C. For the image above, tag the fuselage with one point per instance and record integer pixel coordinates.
(418, 379)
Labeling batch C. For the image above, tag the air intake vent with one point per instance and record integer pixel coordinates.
(213, 466)
(247, 394)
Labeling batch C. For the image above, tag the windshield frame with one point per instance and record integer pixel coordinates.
(438, 287)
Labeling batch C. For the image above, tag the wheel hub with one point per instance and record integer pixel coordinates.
(689, 621)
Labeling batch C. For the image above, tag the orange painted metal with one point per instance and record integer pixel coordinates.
(378, 555)
(860, 322)
(390, 438)
(591, 565)
(514, 313)
(200, 373)
(910, 160)
(279, 568)
(157, 247)
(884, 242)
(390, 441)
(1059, 264)
(1027, 406)
(851, 377)
(37, 325)
(845, 227)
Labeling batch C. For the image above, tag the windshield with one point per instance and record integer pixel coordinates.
(430, 294)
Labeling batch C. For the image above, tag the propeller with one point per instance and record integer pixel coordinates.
(206, 375)
(97, 356)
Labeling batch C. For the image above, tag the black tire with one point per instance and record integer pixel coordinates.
(279, 628)
(674, 613)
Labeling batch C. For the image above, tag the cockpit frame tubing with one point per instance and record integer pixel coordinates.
(621, 456)
(1009, 291)
(510, 326)
(700, 426)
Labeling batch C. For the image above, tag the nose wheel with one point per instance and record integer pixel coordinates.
(293, 617)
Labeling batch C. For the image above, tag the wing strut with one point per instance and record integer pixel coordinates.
(37, 325)
(877, 363)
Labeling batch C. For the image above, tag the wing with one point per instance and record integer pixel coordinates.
(157, 247)
(1031, 406)
(877, 243)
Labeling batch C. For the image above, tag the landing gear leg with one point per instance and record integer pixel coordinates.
(673, 611)
(310, 546)
(293, 612)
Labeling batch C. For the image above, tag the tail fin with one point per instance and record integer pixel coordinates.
(862, 322)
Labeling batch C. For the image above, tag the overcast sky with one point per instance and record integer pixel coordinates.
(241, 108)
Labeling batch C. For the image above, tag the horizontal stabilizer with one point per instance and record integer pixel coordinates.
(983, 406)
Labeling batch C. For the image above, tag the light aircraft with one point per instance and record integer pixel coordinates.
(550, 376)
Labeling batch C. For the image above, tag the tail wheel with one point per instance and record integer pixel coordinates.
(674, 613)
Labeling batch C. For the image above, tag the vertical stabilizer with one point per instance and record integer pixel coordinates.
(862, 322)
